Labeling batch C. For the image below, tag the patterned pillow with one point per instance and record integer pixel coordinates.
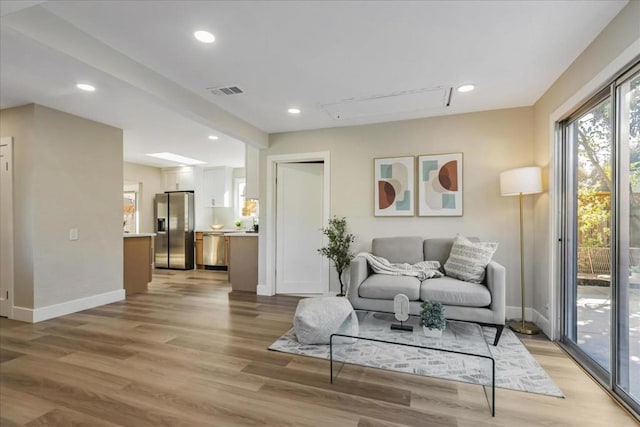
(468, 260)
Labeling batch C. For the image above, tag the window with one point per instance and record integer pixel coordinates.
(130, 209)
(239, 184)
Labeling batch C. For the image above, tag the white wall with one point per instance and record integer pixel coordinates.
(150, 180)
(617, 44)
(68, 174)
(491, 141)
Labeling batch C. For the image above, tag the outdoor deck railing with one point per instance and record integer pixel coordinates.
(593, 260)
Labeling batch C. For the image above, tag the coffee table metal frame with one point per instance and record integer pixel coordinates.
(491, 401)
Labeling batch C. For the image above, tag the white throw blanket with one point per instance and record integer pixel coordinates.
(422, 270)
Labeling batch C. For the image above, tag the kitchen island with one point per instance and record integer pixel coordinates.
(243, 261)
(138, 259)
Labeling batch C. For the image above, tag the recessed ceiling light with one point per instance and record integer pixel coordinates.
(294, 111)
(213, 137)
(466, 88)
(86, 87)
(204, 36)
(177, 158)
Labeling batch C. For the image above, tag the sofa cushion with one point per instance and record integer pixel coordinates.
(468, 260)
(438, 249)
(383, 286)
(450, 291)
(398, 249)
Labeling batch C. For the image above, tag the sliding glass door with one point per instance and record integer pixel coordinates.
(589, 138)
(628, 290)
(601, 237)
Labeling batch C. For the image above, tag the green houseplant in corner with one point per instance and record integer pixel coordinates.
(432, 319)
(338, 247)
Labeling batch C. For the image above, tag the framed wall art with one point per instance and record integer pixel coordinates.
(394, 181)
(440, 185)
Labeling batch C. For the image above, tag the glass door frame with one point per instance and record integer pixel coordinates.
(568, 238)
(621, 211)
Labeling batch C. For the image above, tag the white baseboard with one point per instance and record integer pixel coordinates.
(262, 290)
(516, 313)
(22, 314)
(34, 315)
(542, 322)
(530, 315)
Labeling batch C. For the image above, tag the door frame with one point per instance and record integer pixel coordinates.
(8, 142)
(269, 287)
(569, 247)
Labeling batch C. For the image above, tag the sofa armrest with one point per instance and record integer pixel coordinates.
(358, 271)
(497, 283)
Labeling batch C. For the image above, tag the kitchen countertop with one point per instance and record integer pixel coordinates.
(125, 235)
(241, 234)
(223, 230)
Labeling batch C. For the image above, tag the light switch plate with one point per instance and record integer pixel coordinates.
(73, 234)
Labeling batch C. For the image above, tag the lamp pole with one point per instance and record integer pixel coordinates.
(520, 182)
(523, 327)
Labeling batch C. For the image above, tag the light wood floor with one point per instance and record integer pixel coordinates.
(190, 353)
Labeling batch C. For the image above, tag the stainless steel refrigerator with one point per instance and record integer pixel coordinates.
(174, 241)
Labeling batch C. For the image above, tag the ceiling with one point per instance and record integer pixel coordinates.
(152, 75)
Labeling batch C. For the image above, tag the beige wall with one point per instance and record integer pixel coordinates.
(491, 141)
(150, 180)
(67, 174)
(587, 73)
(19, 123)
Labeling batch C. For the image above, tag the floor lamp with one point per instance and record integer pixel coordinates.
(520, 182)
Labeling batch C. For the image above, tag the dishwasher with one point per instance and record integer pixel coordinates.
(214, 251)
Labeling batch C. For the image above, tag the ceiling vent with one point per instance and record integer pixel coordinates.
(392, 103)
(225, 90)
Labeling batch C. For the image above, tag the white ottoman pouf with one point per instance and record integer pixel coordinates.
(317, 318)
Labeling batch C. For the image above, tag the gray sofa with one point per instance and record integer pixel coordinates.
(479, 303)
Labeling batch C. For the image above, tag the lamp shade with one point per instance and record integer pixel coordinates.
(521, 181)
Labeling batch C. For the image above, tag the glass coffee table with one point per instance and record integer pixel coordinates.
(460, 354)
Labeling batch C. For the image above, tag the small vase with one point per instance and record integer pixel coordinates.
(432, 333)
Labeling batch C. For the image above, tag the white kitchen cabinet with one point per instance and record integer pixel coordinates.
(179, 179)
(218, 187)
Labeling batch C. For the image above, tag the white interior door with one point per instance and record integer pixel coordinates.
(299, 219)
(6, 226)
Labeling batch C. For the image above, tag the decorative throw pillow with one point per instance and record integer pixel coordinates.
(468, 260)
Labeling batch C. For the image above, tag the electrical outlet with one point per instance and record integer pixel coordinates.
(73, 234)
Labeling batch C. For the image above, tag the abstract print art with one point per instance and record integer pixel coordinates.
(440, 185)
(394, 186)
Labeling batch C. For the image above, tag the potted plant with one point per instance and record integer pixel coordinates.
(432, 319)
(338, 247)
(238, 223)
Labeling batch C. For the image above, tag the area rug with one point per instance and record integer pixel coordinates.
(516, 369)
